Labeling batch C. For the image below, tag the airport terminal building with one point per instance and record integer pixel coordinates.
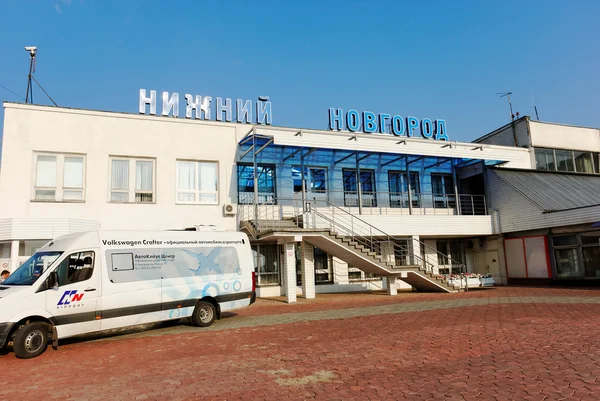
(375, 202)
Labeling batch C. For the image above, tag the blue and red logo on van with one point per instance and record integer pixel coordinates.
(70, 299)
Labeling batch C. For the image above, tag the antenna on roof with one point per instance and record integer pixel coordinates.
(502, 94)
(29, 96)
(535, 108)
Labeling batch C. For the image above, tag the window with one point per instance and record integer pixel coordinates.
(544, 159)
(75, 268)
(266, 183)
(266, 263)
(398, 183)
(297, 178)
(567, 160)
(121, 261)
(197, 182)
(443, 190)
(126, 187)
(32, 269)
(355, 274)
(5, 248)
(442, 248)
(323, 267)
(450, 255)
(315, 179)
(564, 160)
(318, 180)
(583, 162)
(367, 184)
(59, 177)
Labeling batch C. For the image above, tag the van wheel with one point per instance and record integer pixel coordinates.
(204, 314)
(31, 340)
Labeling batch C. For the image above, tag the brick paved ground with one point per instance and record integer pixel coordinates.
(504, 343)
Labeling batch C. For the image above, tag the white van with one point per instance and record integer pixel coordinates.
(95, 281)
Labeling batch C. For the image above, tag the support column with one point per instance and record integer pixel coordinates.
(455, 180)
(340, 271)
(387, 251)
(391, 285)
(416, 257)
(307, 255)
(14, 256)
(359, 185)
(289, 272)
(408, 184)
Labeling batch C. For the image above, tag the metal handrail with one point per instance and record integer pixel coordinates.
(353, 227)
(390, 237)
(386, 202)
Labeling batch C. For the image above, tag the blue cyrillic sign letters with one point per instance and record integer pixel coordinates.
(369, 122)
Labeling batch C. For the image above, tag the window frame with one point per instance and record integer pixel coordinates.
(59, 188)
(131, 191)
(196, 191)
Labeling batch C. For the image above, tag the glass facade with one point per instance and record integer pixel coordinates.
(265, 179)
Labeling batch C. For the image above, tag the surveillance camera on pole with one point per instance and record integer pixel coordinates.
(32, 51)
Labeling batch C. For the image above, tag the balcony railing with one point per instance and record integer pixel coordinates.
(387, 202)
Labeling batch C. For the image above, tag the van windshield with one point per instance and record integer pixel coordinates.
(32, 269)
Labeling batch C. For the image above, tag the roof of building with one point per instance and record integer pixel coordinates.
(527, 118)
(553, 191)
(494, 132)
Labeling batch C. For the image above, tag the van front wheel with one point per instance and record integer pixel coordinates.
(204, 314)
(31, 340)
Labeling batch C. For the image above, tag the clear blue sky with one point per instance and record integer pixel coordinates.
(437, 59)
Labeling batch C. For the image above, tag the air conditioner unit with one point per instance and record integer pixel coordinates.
(228, 209)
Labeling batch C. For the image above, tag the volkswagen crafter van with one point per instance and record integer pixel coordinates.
(105, 280)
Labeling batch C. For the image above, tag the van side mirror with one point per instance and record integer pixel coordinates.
(52, 280)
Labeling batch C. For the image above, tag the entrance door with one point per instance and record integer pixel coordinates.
(315, 182)
(73, 303)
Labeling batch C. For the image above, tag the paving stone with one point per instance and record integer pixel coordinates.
(505, 343)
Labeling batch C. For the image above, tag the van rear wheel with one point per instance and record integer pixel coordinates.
(31, 340)
(204, 314)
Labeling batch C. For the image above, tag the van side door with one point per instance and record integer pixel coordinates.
(73, 304)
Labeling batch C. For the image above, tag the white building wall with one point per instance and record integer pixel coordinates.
(431, 225)
(548, 135)
(100, 135)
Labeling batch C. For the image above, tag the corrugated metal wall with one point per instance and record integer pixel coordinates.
(517, 213)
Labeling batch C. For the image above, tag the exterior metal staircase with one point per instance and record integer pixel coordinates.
(347, 237)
